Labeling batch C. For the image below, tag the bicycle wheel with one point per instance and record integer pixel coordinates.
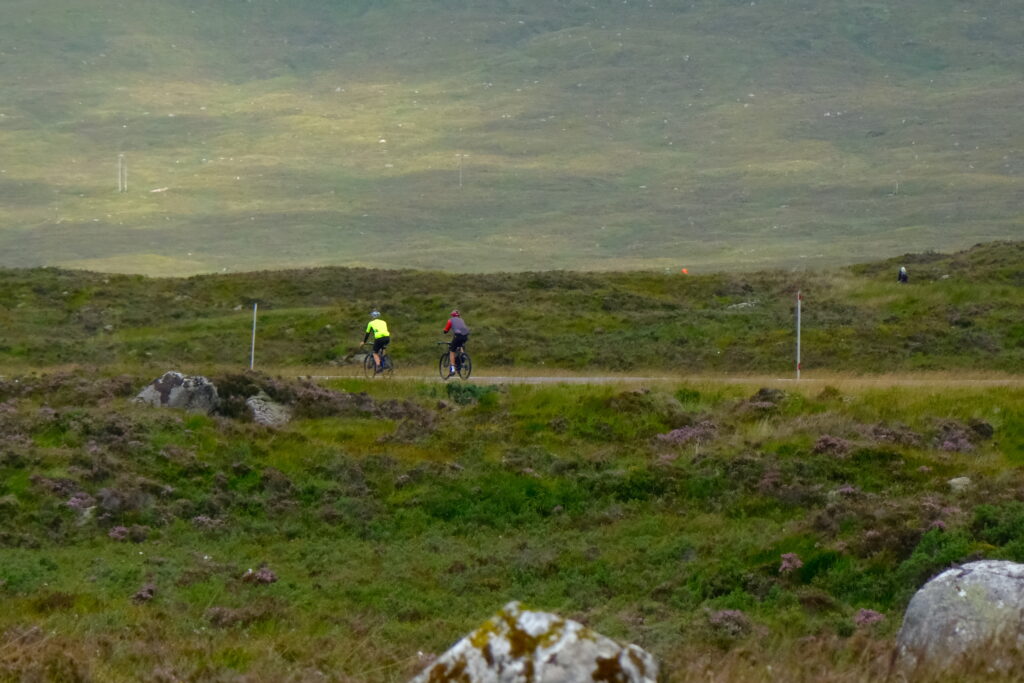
(388, 366)
(369, 366)
(443, 365)
(465, 366)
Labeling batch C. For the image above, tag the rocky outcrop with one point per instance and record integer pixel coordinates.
(175, 390)
(267, 412)
(969, 616)
(520, 646)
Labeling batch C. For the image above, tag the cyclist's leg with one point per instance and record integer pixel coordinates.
(452, 348)
(378, 347)
(463, 338)
(457, 346)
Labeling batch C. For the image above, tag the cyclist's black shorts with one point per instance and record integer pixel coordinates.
(379, 343)
(458, 340)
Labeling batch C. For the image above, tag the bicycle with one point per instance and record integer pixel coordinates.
(463, 363)
(387, 367)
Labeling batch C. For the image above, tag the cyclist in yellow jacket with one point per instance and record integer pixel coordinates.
(381, 337)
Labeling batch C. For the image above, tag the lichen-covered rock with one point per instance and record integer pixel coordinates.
(267, 412)
(175, 390)
(968, 616)
(523, 646)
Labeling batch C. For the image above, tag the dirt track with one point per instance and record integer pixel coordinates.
(878, 381)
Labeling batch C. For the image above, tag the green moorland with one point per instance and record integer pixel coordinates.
(591, 134)
(960, 312)
(738, 534)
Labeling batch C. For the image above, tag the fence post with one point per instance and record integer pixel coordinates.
(252, 349)
(799, 301)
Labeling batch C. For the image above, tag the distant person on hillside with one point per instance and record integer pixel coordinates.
(902, 276)
(381, 337)
(460, 335)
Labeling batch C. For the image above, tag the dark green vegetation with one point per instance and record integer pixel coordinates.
(697, 521)
(960, 311)
(596, 134)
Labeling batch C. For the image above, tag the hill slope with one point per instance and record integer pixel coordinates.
(960, 311)
(590, 135)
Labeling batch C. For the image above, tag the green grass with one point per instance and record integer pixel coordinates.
(607, 136)
(393, 536)
(960, 312)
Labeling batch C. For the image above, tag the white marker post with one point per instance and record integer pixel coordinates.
(461, 157)
(122, 174)
(252, 349)
(799, 300)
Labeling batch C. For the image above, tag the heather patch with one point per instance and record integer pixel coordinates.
(898, 434)
(831, 445)
(954, 437)
(730, 623)
(263, 575)
(702, 432)
(144, 594)
(867, 617)
(790, 563)
(763, 403)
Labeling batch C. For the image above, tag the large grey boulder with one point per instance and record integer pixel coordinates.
(175, 390)
(523, 646)
(267, 412)
(969, 616)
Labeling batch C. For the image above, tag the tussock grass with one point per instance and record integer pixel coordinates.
(395, 532)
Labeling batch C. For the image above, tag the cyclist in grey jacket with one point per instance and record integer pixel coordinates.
(460, 335)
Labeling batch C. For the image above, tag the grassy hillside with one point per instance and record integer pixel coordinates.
(737, 534)
(959, 312)
(591, 135)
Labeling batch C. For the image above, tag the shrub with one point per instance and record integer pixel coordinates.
(936, 551)
(464, 394)
(1001, 525)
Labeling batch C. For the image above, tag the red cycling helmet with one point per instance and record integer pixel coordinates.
(455, 313)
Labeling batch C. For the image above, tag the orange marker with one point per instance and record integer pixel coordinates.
(684, 271)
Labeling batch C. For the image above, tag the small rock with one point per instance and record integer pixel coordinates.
(267, 412)
(959, 484)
